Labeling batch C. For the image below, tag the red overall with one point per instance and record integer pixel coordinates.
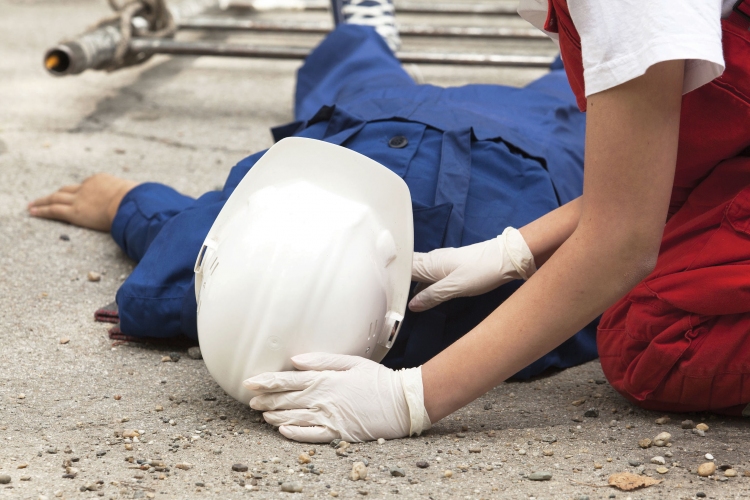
(680, 340)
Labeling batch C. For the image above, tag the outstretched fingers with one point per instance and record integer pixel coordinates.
(280, 381)
(314, 434)
(56, 206)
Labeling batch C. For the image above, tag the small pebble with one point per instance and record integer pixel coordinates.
(645, 443)
(659, 461)
(239, 468)
(22, 466)
(548, 453)
(709, 456)
(522, 452)
(706, 469)
(291, 487)
(64, 340)
(687, 424)
(422, 464)
(194, 353)
(65, 237)
(540, 476)
(174, 357)
(598, 466)
(397, 472)
(184, 466)
(334, 494)
(592, 413)
(93, 276)
(700, 494)
(275, 460)
(4, 479)
(662, 470)
(702, 427)
(52, 450)
(668, 454)
(663, 420)
(304, 458)
(363, 492)
(381, 441)
(460, 435)
(634, 463)
(448, 474)
(662, 439)
(359, 472)
(730, 473)
(549, 439)
(475, 449)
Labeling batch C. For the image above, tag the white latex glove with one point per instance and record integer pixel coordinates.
(345, 397)
(471, 270)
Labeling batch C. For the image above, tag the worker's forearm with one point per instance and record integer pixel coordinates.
(548, 309)
(545, 235)
(631, 149)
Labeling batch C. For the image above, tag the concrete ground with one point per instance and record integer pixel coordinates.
(185, 122)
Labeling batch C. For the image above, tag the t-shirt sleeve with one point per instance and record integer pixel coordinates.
(621, 39)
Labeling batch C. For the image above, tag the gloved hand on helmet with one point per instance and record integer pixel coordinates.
(339, 396)
(470, 270)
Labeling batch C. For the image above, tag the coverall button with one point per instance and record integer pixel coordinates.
(398, 142)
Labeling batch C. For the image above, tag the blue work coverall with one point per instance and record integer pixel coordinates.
(476, 159)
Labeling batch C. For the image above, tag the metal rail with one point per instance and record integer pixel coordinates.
(415, 30)
(405, 7)
(152, 46)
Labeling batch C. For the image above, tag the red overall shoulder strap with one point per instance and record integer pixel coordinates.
(559, 21)
(740, 14)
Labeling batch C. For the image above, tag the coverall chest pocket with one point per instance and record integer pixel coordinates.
(389, 143)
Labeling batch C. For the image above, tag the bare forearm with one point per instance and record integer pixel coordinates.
(552, 306)
(545, 235)
(631, 150)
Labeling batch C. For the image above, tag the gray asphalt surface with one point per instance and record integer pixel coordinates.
(185, 122)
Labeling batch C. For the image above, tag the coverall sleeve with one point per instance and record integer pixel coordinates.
(164, 230)
(142, 214)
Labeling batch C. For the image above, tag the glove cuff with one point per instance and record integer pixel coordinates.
(518, 252)
(411, 382)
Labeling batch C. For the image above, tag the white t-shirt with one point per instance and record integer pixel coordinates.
(621, 39)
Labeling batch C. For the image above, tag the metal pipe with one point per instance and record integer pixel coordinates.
(421, 30)
(92, 50)
(96, 49)
(165, 46)
(405, 7)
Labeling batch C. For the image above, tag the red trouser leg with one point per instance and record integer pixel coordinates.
(680, 341)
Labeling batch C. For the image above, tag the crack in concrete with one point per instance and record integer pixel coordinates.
(173, 143)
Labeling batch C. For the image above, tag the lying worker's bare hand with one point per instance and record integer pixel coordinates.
(91, 204)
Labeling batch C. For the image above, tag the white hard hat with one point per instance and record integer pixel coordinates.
(312, 252)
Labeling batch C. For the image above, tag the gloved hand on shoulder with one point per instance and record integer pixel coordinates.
(470, 270)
